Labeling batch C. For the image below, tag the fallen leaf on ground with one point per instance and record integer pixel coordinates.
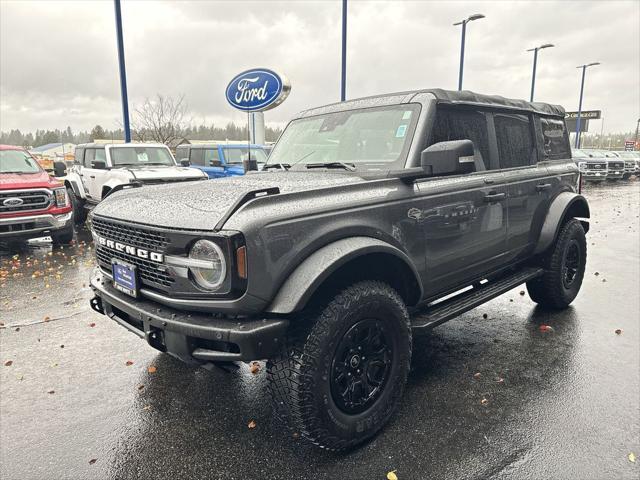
(618, 331)
(251, 424)
(254, 367)
(477, 375)
(632, 457)
(147, 407)
(92, 461)
(546, 328)
(392, 475)
(152, 369)
(8, 363)
(500, 380)
(140, 387)
(129, 363)
(484, 401)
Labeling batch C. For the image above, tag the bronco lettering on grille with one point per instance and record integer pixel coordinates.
(128, 249)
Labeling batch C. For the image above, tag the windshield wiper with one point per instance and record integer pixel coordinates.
(345, 166)
(20, 172)
(281, 166)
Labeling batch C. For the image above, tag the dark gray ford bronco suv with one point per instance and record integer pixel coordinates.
(374, 220)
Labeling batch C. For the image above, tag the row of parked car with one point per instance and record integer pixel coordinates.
(599, 165)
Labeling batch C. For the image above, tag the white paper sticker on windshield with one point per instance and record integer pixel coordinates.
(406, 115)
(143, 157)
(401, 131)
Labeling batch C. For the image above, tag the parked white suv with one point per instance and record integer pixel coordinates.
(98, 169)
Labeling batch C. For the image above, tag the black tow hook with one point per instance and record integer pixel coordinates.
(96, 304)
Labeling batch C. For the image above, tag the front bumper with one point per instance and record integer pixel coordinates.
(33, 225)
(592, 176)
(615, 174)
(191, 337)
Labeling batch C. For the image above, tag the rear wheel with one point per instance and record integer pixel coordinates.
(341, 375)
(564, 266)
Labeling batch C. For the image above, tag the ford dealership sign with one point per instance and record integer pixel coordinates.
(257, 90)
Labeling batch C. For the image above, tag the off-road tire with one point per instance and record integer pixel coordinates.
(551, 289)
(301, 375)
(63, 236)
(79, 212)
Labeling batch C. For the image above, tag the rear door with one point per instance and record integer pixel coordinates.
(530, 184)
(464, 217)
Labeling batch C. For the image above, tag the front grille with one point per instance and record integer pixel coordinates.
(629, 165)
(17, 227)
(28, 200)
(616, 165)
(597, 166)
(150, 273)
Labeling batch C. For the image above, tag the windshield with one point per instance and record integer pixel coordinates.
(238, 155)
(366, 136)
(17, 161)
(578, 154)
(627, 154)
(140, 156)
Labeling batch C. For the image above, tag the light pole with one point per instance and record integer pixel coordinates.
(535, 61)
(477, 16)
(584, 69)
(123, 74)
(343, 79)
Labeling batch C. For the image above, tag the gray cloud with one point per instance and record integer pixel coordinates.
(58, 62)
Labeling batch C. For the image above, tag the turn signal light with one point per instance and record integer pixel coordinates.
(241, 262)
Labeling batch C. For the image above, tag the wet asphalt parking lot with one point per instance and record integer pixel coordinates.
(497, 397)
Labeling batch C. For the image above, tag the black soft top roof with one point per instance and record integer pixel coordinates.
(454, 97)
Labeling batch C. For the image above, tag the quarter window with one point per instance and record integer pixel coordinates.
(515, 140)
(556, 139)
(196, 157)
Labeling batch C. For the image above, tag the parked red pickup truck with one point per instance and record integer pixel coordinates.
(32, 204)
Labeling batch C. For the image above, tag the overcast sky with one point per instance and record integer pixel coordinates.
(58, 60)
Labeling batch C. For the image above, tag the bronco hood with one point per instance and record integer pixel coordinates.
(200, 205)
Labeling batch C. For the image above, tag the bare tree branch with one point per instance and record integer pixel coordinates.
(160, 120)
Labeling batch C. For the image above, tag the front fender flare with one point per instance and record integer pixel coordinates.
(75, 183)
(566, 204)
(309, 275)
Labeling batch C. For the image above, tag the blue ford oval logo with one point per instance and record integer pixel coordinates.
(257, 90)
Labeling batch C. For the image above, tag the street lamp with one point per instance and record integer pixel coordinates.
(584, 69)
(535, 61)
(477, 16)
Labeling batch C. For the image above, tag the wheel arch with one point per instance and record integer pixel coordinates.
(74, 185)
(345, 261)
(563, 207)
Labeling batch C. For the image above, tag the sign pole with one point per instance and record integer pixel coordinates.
(464, 31)
(584, 69)
(533, 77)
(343, 81)
(123, 74)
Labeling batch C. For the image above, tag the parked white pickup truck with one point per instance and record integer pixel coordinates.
(98, 169)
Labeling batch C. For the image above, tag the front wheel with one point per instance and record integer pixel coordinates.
(79, 212)
(63, 236)
(564, 266)
(341, 375)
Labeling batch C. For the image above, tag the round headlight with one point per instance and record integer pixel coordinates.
(211, 269)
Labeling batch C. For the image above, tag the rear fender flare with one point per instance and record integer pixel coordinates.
(565, 205)
(311, 273)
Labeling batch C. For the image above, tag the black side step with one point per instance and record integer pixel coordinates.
(452, 307)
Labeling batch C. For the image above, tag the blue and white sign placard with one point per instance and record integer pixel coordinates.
(257, 90)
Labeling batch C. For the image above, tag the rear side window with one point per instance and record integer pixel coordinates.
(89, 156)
(79, 154)
(182, 152)
(100, 155)
(196, 157)
(211, 155)
(515, 140)
(556, 139)
(464, 124)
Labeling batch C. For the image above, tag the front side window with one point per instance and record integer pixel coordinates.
(515, 140)
(556, 139)
(464, 124)
(211, 157)
(238, 155)
(79, 156)
(89, 155)
(140, 156)
(18, 161)
(368, 136)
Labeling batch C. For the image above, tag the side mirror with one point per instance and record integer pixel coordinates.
(447, 158)
(215, 163)
(59, 169)
(99, 164)
(250, 165)
(185, 162)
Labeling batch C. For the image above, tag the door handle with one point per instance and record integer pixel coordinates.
(489, 181)
(543, 186)
(494, 197)
(92, 176)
